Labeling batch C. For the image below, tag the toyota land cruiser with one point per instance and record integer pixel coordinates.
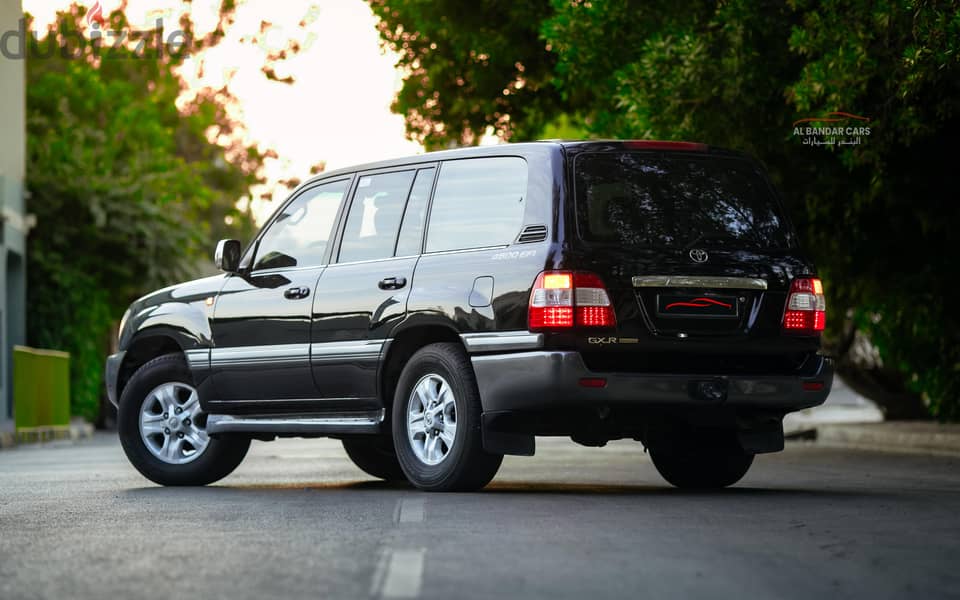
(438, 312)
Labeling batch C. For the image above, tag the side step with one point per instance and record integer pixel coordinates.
(367, 422)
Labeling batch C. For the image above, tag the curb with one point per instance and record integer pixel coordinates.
(78, 430)
(910, 437)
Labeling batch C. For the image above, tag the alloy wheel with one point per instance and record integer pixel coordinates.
(432, 419)
(172, 426)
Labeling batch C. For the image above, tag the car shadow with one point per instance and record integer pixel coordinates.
(561, 488)
(519, 488)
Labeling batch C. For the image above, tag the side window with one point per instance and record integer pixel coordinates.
(478, 202)
(374, 217)
(413, 217)
(299, 235)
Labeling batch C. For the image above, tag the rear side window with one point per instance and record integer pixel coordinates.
(374, 217)
(636, 199)
(478, 202)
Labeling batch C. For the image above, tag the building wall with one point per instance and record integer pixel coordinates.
(13, 231)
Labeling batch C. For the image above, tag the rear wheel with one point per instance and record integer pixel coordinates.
(163, 428)
(436, 422)
(708, 461)
(375, 456)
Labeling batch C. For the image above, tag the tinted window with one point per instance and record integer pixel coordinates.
(634, 199)
(299, 235)
(478, 202)
(375, 214)
(411, 231)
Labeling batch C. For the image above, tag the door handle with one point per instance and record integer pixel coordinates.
(392, 283)
(296, 293)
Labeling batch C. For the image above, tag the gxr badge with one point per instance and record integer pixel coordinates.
(699, 256)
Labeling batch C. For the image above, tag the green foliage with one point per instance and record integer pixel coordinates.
(128, 191)
(470, 68)
(878, 217)
(78, 321)
(564, 127)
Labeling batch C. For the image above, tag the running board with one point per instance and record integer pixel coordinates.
(368, 422)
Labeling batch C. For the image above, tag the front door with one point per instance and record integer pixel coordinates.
(261, 322)
(363, 294)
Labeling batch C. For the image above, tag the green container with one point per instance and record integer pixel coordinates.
(41, 388)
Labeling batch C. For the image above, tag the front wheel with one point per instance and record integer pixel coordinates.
(710, 462)
(436, 422)
(164, 431)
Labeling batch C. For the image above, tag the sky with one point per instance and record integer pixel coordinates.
(336, 111)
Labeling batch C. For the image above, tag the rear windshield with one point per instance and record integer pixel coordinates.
(642, 199)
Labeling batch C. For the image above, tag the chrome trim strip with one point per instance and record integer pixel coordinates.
(481, 249)
(281, 401)
(346, 351)
(280, 270)
(344, 423)
(373, 260)
(260, 355)
(338, 358)
(501, 341)
(692, 281)
(281, 354)
(197, 358)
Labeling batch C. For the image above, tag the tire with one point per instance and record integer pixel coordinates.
(708, 461)
(375, 455)
(457, 461)
(165, 384)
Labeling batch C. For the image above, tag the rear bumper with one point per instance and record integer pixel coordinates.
(110, 376)
(541, 380)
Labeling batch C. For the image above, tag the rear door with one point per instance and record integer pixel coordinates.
(469, 275)
(363, 294)
(693, 247)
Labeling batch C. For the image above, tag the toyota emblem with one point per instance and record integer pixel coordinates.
(699, 256)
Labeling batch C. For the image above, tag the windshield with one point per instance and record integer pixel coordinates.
(639, 199)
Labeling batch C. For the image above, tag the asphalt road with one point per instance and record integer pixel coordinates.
(297, 520)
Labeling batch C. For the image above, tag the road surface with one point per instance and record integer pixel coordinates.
(297, 520)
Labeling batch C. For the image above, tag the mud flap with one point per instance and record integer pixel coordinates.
(496, 441)
(760, 437)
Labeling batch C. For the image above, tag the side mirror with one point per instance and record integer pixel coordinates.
(227, 255)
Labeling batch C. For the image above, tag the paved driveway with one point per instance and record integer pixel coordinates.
(298, 520)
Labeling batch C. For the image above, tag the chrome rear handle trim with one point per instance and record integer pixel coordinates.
(690, 281)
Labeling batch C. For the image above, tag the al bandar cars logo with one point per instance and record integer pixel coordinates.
(698, 303)
(835, 129)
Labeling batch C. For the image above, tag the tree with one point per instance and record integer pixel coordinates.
(128, 189)
(469, 70)
(877, 217)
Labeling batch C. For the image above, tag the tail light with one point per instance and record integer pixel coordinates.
(562, 299)
(806, 311)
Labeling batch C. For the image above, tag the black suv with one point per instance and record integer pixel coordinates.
(437, 312)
